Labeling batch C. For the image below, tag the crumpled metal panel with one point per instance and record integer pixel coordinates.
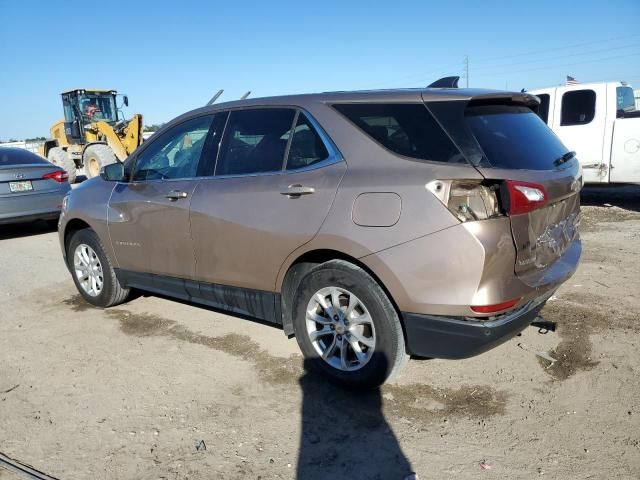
(543, 235)
(555, 240)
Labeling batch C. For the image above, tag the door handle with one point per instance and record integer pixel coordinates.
(176, 195)
(297, 190)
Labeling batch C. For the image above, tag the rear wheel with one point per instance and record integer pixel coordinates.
(97, 156)
(61, 158)
(347, 327)
(92, 271)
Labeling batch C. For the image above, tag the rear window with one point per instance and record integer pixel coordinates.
(406, 129)
(18, 156)
(543, 108)
(514, 137)
(578, 107)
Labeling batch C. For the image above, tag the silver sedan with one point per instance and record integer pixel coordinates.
(31, 188)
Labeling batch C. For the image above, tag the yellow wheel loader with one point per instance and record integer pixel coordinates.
(93, 132)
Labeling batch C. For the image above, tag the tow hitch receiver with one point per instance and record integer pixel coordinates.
(543, 326)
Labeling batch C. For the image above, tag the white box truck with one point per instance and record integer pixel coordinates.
(600, 122)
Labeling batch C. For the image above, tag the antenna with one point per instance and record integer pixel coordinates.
(245, 95)
(446, 82)
(215, 97)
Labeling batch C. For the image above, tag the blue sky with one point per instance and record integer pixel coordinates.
(170, 57)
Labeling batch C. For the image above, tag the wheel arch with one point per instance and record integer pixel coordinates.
(72, 226)
(299, 268)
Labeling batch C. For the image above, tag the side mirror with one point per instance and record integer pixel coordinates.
(114, 172)
(125, 99)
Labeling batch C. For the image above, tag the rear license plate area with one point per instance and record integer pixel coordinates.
(22, 186)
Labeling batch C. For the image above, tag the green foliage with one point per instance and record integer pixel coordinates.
(153, 128)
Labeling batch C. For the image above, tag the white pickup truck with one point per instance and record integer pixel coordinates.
(599, 121)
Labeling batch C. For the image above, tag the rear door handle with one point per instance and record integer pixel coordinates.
(297, 190)
(176, 195)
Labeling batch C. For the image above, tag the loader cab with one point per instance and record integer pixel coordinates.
(84, 107)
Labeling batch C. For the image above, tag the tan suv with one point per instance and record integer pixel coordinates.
(370, 225)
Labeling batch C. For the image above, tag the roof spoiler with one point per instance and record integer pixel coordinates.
(445, 82)
(505, 98)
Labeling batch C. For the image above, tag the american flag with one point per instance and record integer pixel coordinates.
(572, 81)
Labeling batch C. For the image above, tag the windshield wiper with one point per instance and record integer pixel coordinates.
(564, 158)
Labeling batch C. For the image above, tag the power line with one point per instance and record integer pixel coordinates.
(546, 67)
(448, 69)
(484, 67)
(560, 48)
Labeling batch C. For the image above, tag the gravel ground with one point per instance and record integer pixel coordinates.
(159, 389)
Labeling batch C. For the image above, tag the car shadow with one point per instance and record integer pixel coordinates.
(344, 433)
(623, 196)
(18, 230)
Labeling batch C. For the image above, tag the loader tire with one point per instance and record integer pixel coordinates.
(95, 157)
(61, 158)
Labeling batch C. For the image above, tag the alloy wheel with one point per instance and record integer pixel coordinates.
(88, 270)
(340, 328)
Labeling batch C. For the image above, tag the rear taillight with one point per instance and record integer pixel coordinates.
(468, 200)
(471, 200)
(525, 196)
(498, 307)
(59, 176)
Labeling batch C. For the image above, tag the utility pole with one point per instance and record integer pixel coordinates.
(466, 69)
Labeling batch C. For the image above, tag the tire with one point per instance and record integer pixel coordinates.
(95, 157)
(380, 340)
(111, 292)
(61, 158)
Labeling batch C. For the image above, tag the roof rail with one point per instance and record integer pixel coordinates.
(445, 82)
(245, 95)
(215, 97)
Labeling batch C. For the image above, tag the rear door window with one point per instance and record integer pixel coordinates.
(514, 137)
(578, 107)
(255, 141)
(307, 147)
(406, 129)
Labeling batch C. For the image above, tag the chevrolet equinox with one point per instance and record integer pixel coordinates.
(370, 225)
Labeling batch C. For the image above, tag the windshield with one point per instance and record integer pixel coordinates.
(514, 137)
(625, 99)
(97, 106)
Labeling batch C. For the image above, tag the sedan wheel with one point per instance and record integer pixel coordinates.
(88, 270)
(340, 328)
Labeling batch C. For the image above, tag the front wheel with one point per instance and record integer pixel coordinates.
(347, 327)
(92, 271)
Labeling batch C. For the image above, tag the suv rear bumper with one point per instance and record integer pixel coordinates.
(454, 338)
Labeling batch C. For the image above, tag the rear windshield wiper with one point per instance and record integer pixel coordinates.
(564, 158)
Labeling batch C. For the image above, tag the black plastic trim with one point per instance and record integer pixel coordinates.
(442, 337)
(243, 301)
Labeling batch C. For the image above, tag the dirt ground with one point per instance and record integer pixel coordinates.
(156, 389)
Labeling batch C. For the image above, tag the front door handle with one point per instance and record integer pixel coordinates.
(297, 190)
(176, 195)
